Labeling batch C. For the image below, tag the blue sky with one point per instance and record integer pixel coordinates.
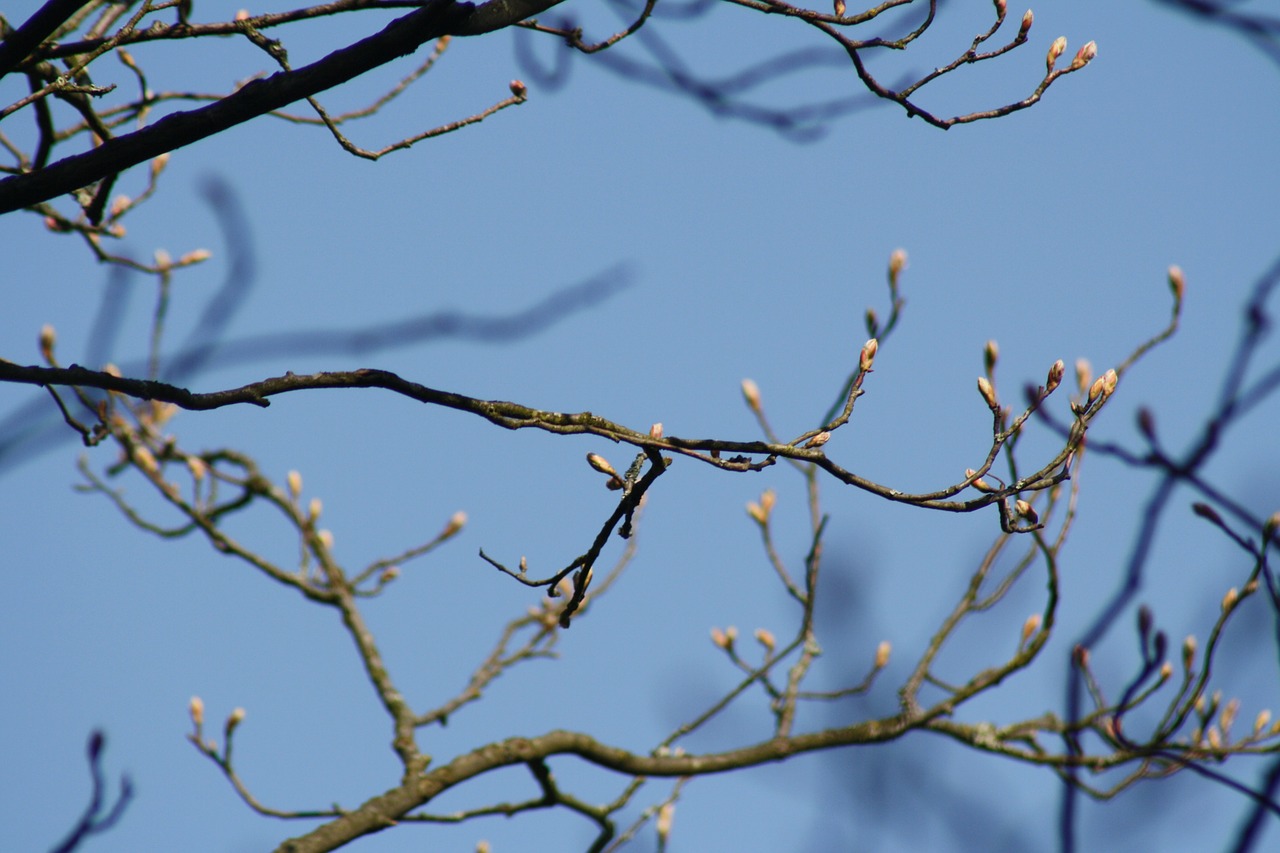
(745, 255)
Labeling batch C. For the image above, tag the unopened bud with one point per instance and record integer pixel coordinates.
(164, 260)
(294, 480)
(1081, 657)
(1261, 721)
(1271, 524)
(1166, 671)
(839, 8)
(1030, 627)
(751, 393)
(988, 393)
(1055, 51)
(195, 256)
(873, 322)
(1188, 652)
(1229, 600)
(868, 355)
(1084, 374)
(120, 205)
(197, 467)
(990, 354)
(1027, 20)
(765, 638)
(598, 462)
(1228, 716)
(897, 262)
(1054, 379)
(519, 89)
(1002, 7)
(668, 810)
(456, 522)
(314, 509)
(48, 338)
(242, 15)
(655, 431)
(144, 459)
(235, 719)
(389, 574)
(757, 513)
(1085, 55)
(818, 440)
(882, 654)
(719, 638)
(196, 707)
(158, 164)
(1027, 511)
(1095, 391)
(1215, 739)
(1177, 282)
(1109, 380)
(326, 539)
(768, 499)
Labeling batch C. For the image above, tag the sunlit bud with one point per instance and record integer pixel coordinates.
(751, 393)
(1177, 283)
(731, 634)
(314, 509)
(1054, 379)
(389, 574)
(1109, 381)
(120, 205)
(1260, 722)
(1002, 6)
(294, 480)
(988, 393)
(242, 15)
(144, 459)
(126, 58)
(868, 355)
(195, 256)
(1229, 600)
(990, 353)
(765, 638)
(1030, 627)
(839, 8)
(197, 467)
(1215, 739)
(979, 484)
(768, 499)
(483, 847)
(456, 522)
(897, 262)
(53, 224)
(1055, 50)
(1250, 588)
(163, 260)
(598, 462)
(48, 338)
(1084, 374)
(668, 810)
(1027, 20)
(235, 719)
(326, 539)
(719, 638)
(818, 440)
(1272, 523)
(196, 706)
(1095, 390)
(1166, 670)
(524, 564)
(757, 513)
(1228, 716)
(873, 322)
(655, 431)
(1085, 55)
(1027, 511)
(1188, 652)
(519, 89)
(158, 164)
(117, 230)
(1081, 656)
(882, 654)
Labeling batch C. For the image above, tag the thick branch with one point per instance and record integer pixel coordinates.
(259, 97)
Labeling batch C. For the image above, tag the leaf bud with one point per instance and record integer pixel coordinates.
(1054, 379)
(1055, 51)
(751, 393)
(765, 638)
(196, 707)
(519, 89)
(1085, 55)
(1027, 20)
(1177, 282)
(868, 355)
(882, 654)
(988, 393)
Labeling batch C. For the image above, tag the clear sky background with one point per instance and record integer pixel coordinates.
(744, 254)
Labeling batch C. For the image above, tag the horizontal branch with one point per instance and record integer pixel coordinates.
(517, 416)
